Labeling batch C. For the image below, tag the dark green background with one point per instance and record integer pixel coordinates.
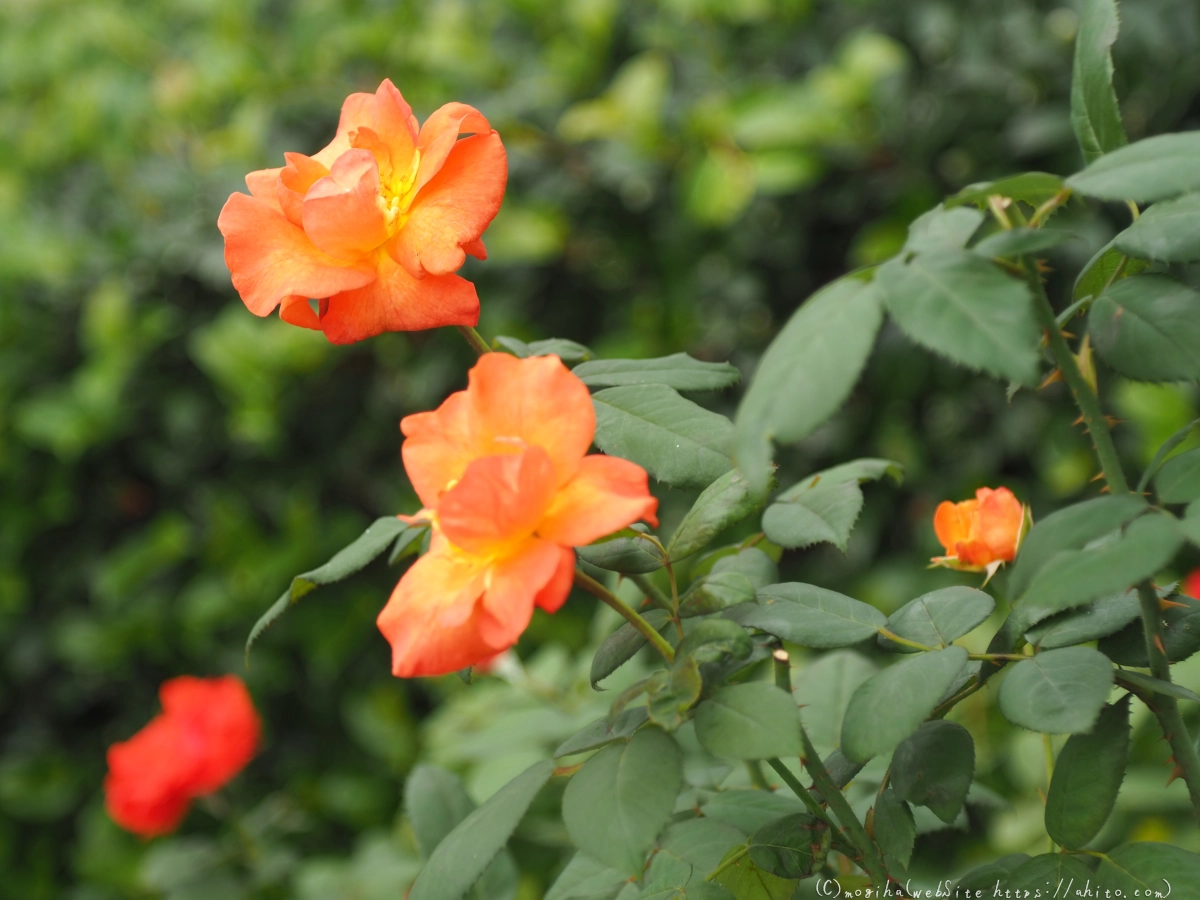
(683, 173)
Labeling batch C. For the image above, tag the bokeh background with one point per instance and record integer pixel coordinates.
(683, 174)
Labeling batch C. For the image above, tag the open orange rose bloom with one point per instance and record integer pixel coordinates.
(374, 226)
(981, 534)
(503, 473)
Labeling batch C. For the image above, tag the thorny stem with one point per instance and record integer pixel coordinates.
(1187, 762)
(757, 778)
(1165, 707)
(472, 337)
(652, 591)
(644, 628)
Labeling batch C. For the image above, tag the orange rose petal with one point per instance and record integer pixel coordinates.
(440, 133)
(395, 301)
(300, 173)
(606, 494)
(534, 401)
(392, 119)
(342, 213)
(270, 258)
(950, 525)
(440, 446)
(218, 714)
(554, 594)
(498, 501)
(262, 186)
(356, 111)
(514, 582)
(454, 208)
(475, 249)
(297, 310)
(1001, 517)
(421, 644)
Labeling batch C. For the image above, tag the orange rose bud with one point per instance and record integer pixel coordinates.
(503, 473)
(374, 226)
(206, 734)
(1191, 584)
(981, 534)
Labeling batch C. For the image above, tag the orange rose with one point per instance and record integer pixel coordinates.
(503, 473)
(373, 226)
(981, 534)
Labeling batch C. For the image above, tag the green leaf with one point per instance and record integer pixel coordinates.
(1147, 684)
(1181, 636)
(1146, 866)
(1095, 115)
(370, 544)
(467, 850)
(567, 351)
(1070, 528)
(603, 731)
(1154, 168)
(753, 563)
(1020, 241)
(892, 704)
(1074, 577)
(823, 691)
(785, 847)
(408, 543)
(942, 228)
(1087, 777)
(747, 810)
(1098, 619)
(1163, 452)
(895, 830)
(1033, 188)
(826, 512)
(670, 693)
(615, 806)
(620, 646)
(715, 592)
(1044, 873)
(723, 503)
(678, 371)
(434, 801)
(985, 877)
(672, 438)
(586, 879)
(756, 720)
(1167, 231)
(933, 767)
(628, 552)
(806, 373)
(1148, 328)
(962, 306)
(1106, 267)
(1057, 692)
(703, 842)
(938, 618)
(1178, 480)
(810, 616)
(746, 881)
(708, 640)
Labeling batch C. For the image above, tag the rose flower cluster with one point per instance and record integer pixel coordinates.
(366, 236)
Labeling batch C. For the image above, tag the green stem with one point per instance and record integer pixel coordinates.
(757, 778)
(652, 591)
(1165, 707)
(895, 638)
(596, 589)
(472, 337)
(1085, 397)
(732, 861)
(872, 860)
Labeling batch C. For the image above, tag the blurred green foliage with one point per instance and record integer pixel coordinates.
(683, 174)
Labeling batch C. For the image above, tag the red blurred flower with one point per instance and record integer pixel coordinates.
(509, 491)
(374, 226)
(980, 534)
(206, 734)
(1191, 584)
